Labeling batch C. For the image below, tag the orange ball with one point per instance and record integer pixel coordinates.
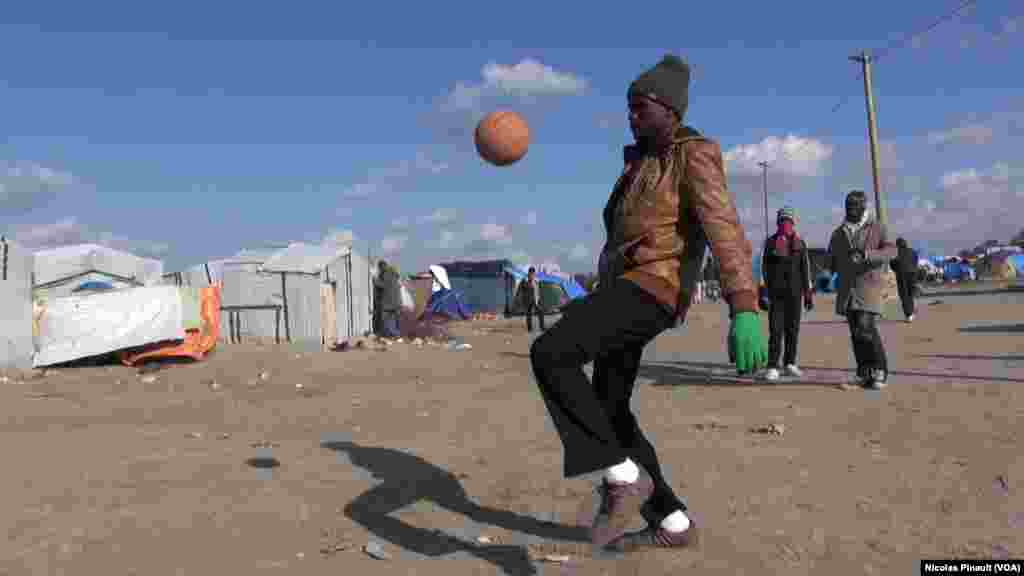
(502, 138)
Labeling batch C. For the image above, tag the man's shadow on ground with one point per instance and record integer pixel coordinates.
(406, 479)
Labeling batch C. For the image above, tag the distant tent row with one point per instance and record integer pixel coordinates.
(490, 286)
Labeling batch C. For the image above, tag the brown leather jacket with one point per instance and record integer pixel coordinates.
(659, 244)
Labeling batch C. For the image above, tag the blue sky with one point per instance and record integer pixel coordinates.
(191, 131)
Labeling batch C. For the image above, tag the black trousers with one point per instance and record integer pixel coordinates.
(905, 285)
(532, 309)
(784, 312)
(867, 342)
(609, 327)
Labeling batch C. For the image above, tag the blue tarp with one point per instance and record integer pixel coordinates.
(825, 282)
(572, 288)
(1017, 261)
(956, 271)
(447, 303)
(94, 286)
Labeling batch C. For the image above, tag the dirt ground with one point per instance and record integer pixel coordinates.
(210, 469)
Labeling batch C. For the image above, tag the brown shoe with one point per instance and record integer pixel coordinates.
(656, 537)
(619, 504)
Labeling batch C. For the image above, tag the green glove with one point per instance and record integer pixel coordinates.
(746, 343)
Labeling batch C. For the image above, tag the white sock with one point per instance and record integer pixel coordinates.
(676, 522)
(624, 473)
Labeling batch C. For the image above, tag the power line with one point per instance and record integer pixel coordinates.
(897, 44)
(885, 51)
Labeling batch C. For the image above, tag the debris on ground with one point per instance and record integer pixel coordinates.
(485, 539)
(211, 384)
(710, 425)
(265, 444)
(771, 430)
(264, 376)
(374, 550)
(148, 379)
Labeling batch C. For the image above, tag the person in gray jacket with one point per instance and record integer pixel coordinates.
(860, 252)
(390, 302)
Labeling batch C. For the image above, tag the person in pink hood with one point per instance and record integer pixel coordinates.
(786, 269)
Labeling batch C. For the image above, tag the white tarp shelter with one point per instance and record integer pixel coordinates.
(16, 345)
(59, 271)
(76, 327)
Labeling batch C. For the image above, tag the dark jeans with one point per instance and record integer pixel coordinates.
(609, 327)
(784, 314)
(905, 285)
(532, 309)
(867, 342)
(389, 324)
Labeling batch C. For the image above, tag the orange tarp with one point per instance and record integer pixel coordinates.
(197, 343)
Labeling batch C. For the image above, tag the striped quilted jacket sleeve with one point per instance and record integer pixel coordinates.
(715, 208)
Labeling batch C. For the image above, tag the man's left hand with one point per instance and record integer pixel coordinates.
(746, 343)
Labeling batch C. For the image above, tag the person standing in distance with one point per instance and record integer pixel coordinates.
(786, 269)
(529, 299)
(670, 201)
(860, 251)
(905, 268)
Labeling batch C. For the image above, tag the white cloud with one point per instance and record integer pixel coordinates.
(526, 79)
(25, 186)
(792, 156)
(446, 240)
(976, 134)
(69, 231)
(392, 244)
(495, 233)
(530, 218)
(967, 208)
(390, 177)
(440, 216)
(579, 253)
(400, 223)
(339, 237)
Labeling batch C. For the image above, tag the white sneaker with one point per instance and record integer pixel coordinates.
(771, 375)
(877, 381)
(793, 371)
(910, 318)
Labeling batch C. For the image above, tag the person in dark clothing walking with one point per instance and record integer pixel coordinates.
(786, 269)
(529, 299)
(390, 291)
(669, 203)
(905, 268)
(859, 251)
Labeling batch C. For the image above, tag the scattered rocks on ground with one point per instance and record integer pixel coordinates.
(148, 379)
(211, 384)
(264, 376)
(771, 429)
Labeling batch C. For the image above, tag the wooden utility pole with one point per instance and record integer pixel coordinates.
(764, 180)
(865, 61)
